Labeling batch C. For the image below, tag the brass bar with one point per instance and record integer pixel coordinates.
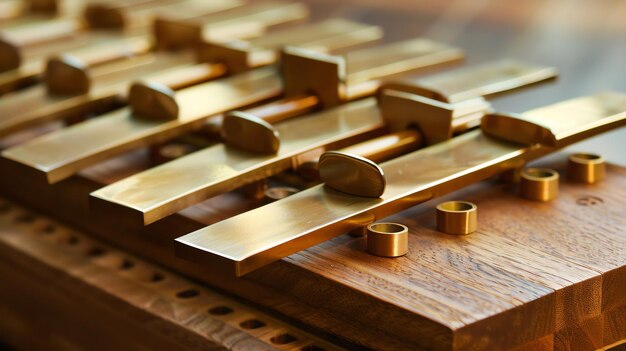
(246, 242)
(188, 192)
(77, 153)
(58, 155)
(33, 106)
(219, 168)
(131, 19)
(102, 86)
(248, 21)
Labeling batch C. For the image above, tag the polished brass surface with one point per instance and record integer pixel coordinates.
(387, 239)
(328, 70)
(173, 32)
(483, 80)
(56, 156)
(586, 168)
(32, 106)
(353, 169)
(129, 15)
(320, 213)
(334, 79)
(539, 184)
(443, 103)
(457, 217)
(351, 174)
(324, 36)
(149, 99)
(219, 168)
(249, 133)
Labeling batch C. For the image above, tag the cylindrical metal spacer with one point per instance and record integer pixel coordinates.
(539, 184)
(457, 217)
(387, 239)
(586, 168)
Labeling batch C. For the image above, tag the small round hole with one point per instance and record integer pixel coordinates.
(24, 218)
(540, 173)
(220, 310)
(127, 264)
(456, 206)
(95, 252)
(156, 277)
(252, 324)
(312, 348)
(387, 228)
(187, 294)
(72, 240)
(590, 157)
(283, 339)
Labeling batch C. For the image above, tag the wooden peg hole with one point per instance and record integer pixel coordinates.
(252, 324)
(220, 310)
(188, 294)
(283, 339)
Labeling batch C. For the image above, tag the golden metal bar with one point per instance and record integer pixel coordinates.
(479, 81)
(74, 157)
(256, 238)
(247, 21)
(189, 192)
(33, 106)
(58, 155)
(324, 36)
(219, 168)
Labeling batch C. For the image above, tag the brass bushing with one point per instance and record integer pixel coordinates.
(539, 184)
(586, 168)
(387, 239)
(457, 217)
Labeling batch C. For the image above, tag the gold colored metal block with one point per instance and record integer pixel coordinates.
(539, 184)
(586, 168)
(457, 217)
(387, 239)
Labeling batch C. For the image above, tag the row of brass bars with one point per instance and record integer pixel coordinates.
(266, 93)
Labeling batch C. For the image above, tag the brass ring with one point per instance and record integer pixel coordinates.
(457, 217)
(586, 168)
(387, 239)
(539, 184)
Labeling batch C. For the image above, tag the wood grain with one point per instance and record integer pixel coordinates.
(81, 294)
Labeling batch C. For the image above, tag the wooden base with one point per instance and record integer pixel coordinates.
(64, 291)
(532, 272)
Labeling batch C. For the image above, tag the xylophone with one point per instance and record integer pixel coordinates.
(186, 174)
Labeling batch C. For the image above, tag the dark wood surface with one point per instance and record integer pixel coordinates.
(535, 276)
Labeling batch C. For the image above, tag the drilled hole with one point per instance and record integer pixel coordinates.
(24, 218)
(252, 324)
(72, 240)
(49, 229)
(283, 339)
(95, 252)
(156, 277)
(456, 206)
(590, 157)
(220, 310)
(126, 265)
(312, 348)
(187, 294)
